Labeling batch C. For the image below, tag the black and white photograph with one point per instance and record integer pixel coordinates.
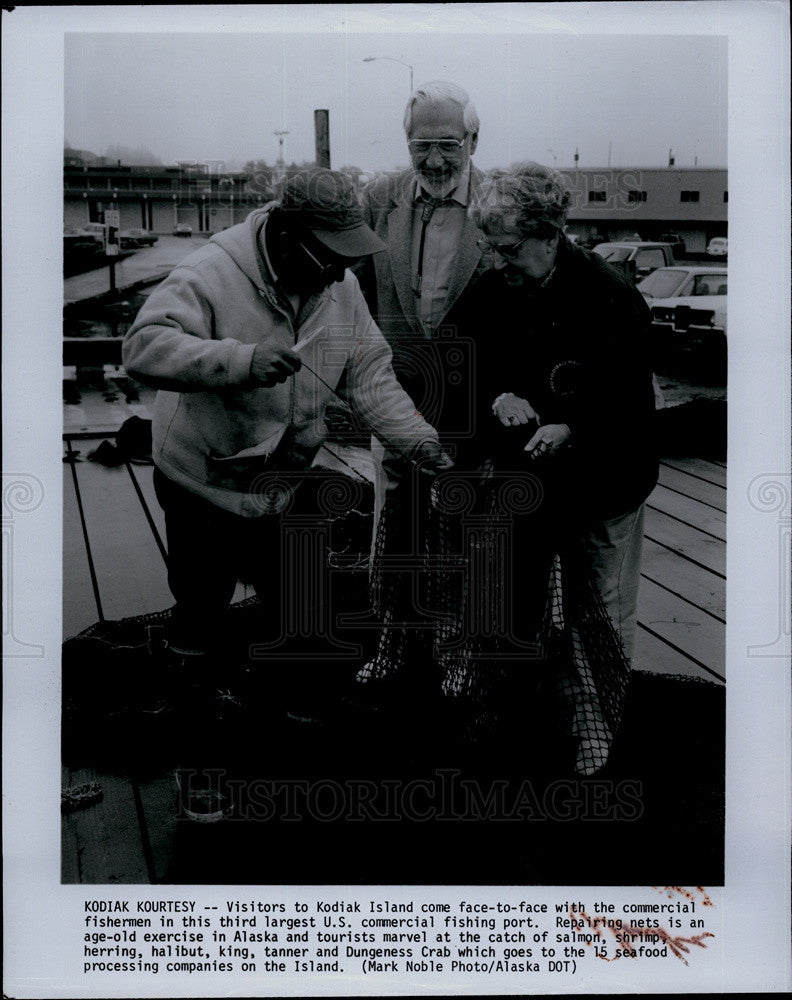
(497, 334)
(400, 409)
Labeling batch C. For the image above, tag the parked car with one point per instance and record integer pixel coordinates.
(688, 304)
(182, 229)
(718, 247)
(636, 259)
(676, 242)
(72, 235)
(82, 251)
(131, 239)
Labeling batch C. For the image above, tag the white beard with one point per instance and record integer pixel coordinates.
(439, 190)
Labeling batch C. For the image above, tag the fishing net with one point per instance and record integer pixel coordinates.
(481, 599)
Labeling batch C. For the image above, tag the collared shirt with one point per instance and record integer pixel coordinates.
(432, 269)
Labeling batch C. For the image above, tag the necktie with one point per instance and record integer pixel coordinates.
(430, 204)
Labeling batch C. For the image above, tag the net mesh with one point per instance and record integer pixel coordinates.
(479, 601)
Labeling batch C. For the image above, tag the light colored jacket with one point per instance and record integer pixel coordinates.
(213, 430)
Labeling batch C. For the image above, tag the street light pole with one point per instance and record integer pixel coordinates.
(280, 134)
(391, 59)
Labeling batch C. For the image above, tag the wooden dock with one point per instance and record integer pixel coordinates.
(115, 567)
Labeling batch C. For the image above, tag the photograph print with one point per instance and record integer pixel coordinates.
(394, 458)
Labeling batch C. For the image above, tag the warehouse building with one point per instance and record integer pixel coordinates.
(611, 203)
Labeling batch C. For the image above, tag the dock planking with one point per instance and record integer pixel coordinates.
(699, 586)
(693, 487)
(129, 837)
(143, 480)
(693, 545)
(80, 608)
(698, 468)
(689, 510)
(681, 624)
(129, 565)
(157, 796)
(102, 844)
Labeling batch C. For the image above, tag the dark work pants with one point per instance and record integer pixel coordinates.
(209, 549)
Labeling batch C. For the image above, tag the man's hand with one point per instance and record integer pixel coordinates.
(548, 440)
(511, 410)
(431, 459)
(273, 364)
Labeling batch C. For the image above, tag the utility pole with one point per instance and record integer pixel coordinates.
(280, 163)
(322, 137)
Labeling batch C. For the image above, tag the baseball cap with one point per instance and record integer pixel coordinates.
(324, 202)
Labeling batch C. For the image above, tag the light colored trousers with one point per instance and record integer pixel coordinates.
(613, 553)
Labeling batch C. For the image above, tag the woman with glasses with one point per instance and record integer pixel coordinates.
(536, 533)
(564, 389)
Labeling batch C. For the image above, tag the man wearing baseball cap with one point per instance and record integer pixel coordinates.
(247, 340)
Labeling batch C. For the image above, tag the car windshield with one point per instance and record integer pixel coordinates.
(662, 283)
(613, 253)
(710, 284)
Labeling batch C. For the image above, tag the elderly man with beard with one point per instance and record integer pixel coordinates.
(421, 215)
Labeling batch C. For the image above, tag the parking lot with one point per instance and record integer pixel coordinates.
(146, 264)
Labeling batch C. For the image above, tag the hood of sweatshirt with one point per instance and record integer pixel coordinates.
(240, 242)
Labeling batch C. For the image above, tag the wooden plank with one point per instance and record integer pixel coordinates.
(158, 800)
(691, 511)
(690, 486)
(655, 656)
(702, 549)
(691, 582)
(79, 602)
(105, 837)
(715, 474)
(697, 634)
(70, 868)
(129, 566)
(144, 476)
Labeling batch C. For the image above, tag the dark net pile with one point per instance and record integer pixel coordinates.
(480, 602)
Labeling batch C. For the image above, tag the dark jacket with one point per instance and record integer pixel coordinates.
(578, 351)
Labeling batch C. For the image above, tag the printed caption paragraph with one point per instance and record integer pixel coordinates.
(378, 936)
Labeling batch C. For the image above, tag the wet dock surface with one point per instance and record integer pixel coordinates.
(505, 811)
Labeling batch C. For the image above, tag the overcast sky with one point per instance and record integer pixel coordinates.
(220, 97)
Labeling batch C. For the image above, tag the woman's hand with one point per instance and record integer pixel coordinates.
(511, 410)
(548, 440)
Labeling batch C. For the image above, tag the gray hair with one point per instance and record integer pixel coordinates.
(534, 193)
(440, 90)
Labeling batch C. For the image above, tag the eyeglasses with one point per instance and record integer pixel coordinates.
(507, 250)
(423, 147)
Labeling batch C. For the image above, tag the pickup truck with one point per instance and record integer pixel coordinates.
(636, 259)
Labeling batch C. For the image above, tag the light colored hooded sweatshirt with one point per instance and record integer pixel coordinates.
(214, 431)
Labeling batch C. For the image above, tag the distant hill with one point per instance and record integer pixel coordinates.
(129, 156)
